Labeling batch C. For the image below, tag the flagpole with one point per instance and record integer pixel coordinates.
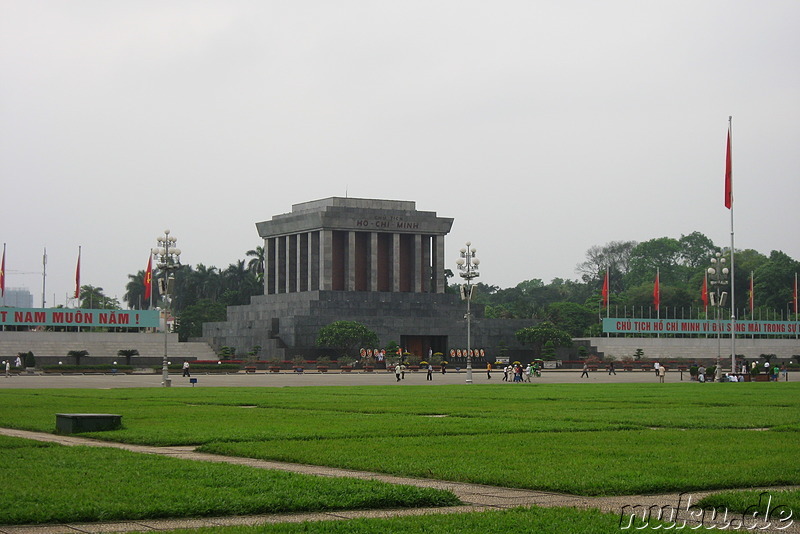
(44, 275)
(733, 276)
(796, 318)
(658, 298)
(3, 278)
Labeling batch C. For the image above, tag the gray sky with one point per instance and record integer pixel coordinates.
(542, 127)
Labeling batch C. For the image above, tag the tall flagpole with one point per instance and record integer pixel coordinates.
(44, 275)
(729, 200)
(796, 317)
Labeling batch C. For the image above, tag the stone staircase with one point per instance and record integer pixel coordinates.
(51, 347)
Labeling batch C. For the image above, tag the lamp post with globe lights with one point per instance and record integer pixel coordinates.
(468, 265)
(718, 277)
(168, 257)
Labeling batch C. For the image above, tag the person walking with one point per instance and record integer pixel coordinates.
(430, 372)
(397, 371)
(785, 372)
(611, 370)
(488, 371)
(585, 370)
(528, 373)
(505, 374)
(662, 371)
(8, 368)
(186, 368)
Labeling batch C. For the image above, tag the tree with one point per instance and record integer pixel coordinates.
(542, 333)
(774, 280)
(346, 337)
(256, 264)
(127, 354)
(661, 254)
(134, 292)
(570, 317)
(696, 249)
(191, 319)
(615, 256)
(92, 297)
(78, 354)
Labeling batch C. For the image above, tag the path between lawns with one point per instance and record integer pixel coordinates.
(476, 497)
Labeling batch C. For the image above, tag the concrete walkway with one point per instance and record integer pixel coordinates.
(313, 378)
(475, 496)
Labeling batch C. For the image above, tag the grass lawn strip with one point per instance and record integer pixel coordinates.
(517, 520)
(582, 463)
(57, 484)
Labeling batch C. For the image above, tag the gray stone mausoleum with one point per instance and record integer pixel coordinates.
(378, 262)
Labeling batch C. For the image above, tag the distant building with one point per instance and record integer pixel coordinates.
(17, 297)
(377, 262)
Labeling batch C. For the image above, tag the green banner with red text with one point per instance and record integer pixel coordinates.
(79, 317)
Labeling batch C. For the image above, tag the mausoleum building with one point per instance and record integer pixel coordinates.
(378, 262)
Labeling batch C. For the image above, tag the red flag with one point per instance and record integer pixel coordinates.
(148, 279)
(728, 174)
(704, 292)
(751, 293)
(78, 276)
(3, 274)
(605, 290)
(657, 293)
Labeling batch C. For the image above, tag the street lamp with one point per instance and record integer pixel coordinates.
(718, 276)
(468, 265)
(169, 259)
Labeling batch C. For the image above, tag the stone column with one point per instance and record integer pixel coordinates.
(291, 263)
(416, 282)
(350, 263)
(269, 266)
(438, 263)
(280, 264)
(314, 261)
(395, 263)
(325, 264)
(373, 261)
(302, 262)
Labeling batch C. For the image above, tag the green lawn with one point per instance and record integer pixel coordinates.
(592, 439)
(518, 520)
(48, 483)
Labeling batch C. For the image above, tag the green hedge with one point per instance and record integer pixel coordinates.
(87, 368)
(209, 367)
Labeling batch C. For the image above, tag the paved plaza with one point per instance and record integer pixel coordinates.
(313, 378)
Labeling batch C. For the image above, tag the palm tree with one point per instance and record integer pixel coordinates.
(78, 354)
(256, 265)
(128, 354)
(134, 292)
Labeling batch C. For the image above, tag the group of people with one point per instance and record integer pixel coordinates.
(517, 373)
(17, 363)
(774, 372)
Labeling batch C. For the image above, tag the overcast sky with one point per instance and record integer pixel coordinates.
(542, 127)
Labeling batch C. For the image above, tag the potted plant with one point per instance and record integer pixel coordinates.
(693, 371)
(298, 363)
(28, 360)
(323, 362)
(345, 364)
(413, 361)
(274, 365)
